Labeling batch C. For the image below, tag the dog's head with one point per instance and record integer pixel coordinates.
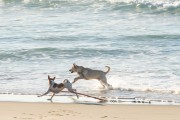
(76, 68)
(66, 81)
(73, 69)
(51, 79)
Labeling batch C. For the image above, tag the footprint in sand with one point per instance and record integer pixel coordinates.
(27, 118)
(104, 116)
(115, 117)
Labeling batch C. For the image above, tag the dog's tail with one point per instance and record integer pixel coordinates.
(108, 69)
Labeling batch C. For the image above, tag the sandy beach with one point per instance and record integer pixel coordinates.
(58, 111)
(138, 39)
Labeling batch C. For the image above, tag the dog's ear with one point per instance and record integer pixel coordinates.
(49, 79)
(54, 78)
(74, 64)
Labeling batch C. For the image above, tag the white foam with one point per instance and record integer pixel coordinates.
(34, 98)
(141, 84)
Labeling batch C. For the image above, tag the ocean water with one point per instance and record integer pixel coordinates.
(138, 39)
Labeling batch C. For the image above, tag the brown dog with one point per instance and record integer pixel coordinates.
(88, 74)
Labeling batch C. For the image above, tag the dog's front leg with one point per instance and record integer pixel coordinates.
(76, 79)
(44, 93)
(51, 97)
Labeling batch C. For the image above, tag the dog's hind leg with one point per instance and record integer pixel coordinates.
(103, 81)
(44, 93)
(102, 84)
(75, 91)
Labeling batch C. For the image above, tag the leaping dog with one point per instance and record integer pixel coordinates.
(88, 74)
(56, 88)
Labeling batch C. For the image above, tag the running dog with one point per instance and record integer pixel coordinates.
(88, 74)
(56, 88)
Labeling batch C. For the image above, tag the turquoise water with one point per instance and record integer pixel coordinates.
(139, 40)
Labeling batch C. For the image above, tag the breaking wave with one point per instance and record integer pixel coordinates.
(147, 6)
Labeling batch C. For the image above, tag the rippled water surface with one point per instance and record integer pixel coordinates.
(139, 40)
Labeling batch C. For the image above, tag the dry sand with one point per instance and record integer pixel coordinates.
(57, 111)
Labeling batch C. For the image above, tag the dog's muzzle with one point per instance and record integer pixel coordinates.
(71, 71)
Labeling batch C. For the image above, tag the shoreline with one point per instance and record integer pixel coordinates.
(85, 111)
(85, 100)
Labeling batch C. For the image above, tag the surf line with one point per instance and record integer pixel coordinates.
(101, 99)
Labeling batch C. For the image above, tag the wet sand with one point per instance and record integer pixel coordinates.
(86, 111)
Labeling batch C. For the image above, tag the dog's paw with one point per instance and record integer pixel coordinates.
(49, 99)
(110, 88)
(38, 96)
